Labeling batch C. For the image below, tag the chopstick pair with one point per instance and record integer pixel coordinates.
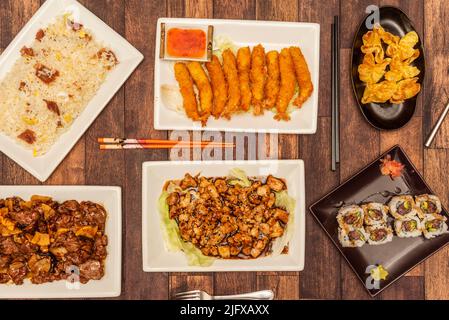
(335, 89)
(118, 144)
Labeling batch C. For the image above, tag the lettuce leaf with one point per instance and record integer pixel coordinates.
(284, 201)
(173, 238)
(238, 176)
(221, 43)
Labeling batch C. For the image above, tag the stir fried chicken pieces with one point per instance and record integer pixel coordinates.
(225, 219)
(42, 239)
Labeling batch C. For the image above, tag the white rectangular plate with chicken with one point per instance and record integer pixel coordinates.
(65, 220)
(170, 112)
(269, 235)
(56, 77)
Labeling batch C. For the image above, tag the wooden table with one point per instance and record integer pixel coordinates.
(130, 113)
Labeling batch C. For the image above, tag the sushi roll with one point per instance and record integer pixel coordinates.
(350, 216)
(375, 213)
(428, 203)
(408, 228)
(351, 237)
(403, 207)
(434, 225)
(379, 234)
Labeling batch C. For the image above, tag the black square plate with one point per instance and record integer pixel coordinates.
(369, 185)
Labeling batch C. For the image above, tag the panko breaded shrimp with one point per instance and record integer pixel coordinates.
(219, 86)
(201, 80)
(232, 77)
(272, 85)
(302, 75)
(258, 77)
(185, 82)
(244, 66)
(288, 83)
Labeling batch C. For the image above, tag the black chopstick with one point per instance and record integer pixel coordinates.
(333, 112)
(335, 93)
(337, 89)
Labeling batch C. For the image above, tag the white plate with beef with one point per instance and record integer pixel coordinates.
(205, 216)
(60, 241)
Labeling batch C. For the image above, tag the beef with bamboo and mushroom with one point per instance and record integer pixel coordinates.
(41, 239)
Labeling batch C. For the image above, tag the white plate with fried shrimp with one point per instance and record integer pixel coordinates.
(252, 216)
(262, 77)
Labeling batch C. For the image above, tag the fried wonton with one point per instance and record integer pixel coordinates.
(404, 49)
(387, 37)
(413, 57)
(372, 44)
(369, 71)
(406, 89)
(379, 92)
(390, 79)
(400, 70)
(409, 40)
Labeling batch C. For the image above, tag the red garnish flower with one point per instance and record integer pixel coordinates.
(390, 167)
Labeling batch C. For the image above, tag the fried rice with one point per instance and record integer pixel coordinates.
(51, 83)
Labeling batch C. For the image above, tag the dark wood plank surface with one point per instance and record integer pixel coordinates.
(190, 9)
(436, 283)
(130, 113)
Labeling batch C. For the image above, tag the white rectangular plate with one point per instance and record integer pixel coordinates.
(273, 36)
(129, 58)
(110, 284)
(156, 258)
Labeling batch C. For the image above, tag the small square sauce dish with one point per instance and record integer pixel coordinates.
(186, 42)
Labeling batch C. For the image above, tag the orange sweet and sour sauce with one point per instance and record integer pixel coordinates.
(186, 43)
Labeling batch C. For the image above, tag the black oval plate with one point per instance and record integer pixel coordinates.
(386, 116)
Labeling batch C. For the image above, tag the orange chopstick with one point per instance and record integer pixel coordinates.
(156, 146)
(162, 142)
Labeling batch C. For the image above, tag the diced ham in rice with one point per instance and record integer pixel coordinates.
(25, 51)
(40, 34)
(28, 136)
